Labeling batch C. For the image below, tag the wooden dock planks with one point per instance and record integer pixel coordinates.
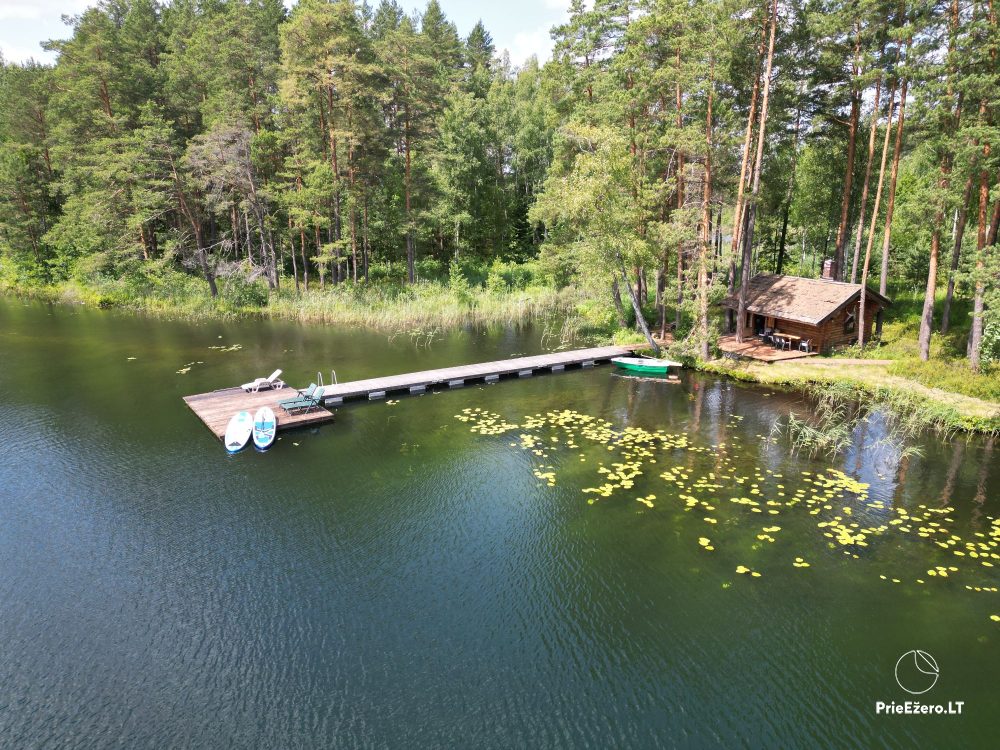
(454, 376)
(215, 409)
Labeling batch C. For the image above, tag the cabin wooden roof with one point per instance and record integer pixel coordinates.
(810, 301)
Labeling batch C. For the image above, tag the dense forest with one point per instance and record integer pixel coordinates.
(667, 152)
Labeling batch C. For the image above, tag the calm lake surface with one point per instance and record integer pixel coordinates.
(403, 578)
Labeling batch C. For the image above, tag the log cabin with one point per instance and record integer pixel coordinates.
(822, 313)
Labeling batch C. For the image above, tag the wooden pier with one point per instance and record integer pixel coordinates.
(453, 377)
(216, 408)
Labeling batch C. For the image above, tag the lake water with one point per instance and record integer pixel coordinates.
(405, 578)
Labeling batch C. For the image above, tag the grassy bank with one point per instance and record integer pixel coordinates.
(387, 306)
(942, 394)
(948, 367)
(875, 384)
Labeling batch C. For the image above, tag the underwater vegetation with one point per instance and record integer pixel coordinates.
(745, 512)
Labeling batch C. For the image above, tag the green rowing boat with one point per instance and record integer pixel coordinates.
(645, 365)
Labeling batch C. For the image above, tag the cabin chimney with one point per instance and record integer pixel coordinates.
(828, 269)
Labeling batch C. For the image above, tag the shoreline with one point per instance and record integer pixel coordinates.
(432, 306)
(381, 308)
(936, 409)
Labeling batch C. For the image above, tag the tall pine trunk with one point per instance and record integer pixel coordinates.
(891, 200)
(302, 251)
(961, 219)
(944, 182)
(927, 315)
(741, 308)
(706, 225)
(845, 201)
(871, 229)
(978, 303)
(410, 240)
(295, 269)
(365, 250)
(747, 140)
(680, 203)
(840, 248)
(336, 173)
(193, 217)
(872, 132)
(788, 195)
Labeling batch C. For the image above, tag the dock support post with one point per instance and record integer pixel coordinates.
(335, 401)
(524, 373)
(376, 395)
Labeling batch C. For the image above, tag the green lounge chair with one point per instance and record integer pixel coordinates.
(306, 403)
(307, 393)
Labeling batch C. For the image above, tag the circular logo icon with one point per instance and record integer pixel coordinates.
(916, 672)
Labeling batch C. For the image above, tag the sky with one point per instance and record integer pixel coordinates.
(519, 26)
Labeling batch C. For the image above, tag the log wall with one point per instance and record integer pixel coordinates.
(830, 334)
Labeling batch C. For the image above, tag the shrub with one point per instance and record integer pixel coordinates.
(429, 269)
(508, 277)
(628, 336)
(474, 271)
(387, 272)
(237, 292)
(597, 315)
(990, 351)
(458, 283)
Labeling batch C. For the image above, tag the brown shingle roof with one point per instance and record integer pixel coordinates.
(809, 301)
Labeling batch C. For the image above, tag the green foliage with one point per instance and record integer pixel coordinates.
(431, 269)
(241, 294)
(991, 347)
(627, 336)
(952, 375)
(335, 142)
(509, 277)
(458, 282)
(598, 315)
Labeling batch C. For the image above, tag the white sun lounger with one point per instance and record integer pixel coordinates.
(263, 384)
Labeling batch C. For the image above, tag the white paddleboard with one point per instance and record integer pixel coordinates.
(265, 427)
(238, 431)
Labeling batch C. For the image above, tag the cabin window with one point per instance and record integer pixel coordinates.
(850, 322)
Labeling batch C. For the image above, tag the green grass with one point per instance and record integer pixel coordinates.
(948, 368)
(384, 305)
(905, 399)
(953, 376)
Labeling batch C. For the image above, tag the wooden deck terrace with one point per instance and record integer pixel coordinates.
(215, 409)
(754, 348)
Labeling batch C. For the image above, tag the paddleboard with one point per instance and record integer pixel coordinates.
(265, 427)
(238, 431)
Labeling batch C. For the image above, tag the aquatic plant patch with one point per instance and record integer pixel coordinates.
(741, 515)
